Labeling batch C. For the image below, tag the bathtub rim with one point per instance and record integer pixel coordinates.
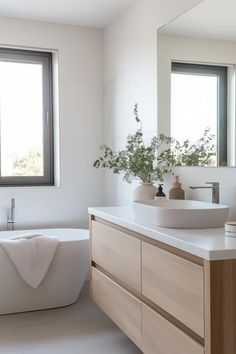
(81, 232)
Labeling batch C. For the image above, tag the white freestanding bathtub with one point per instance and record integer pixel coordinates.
(63, 281)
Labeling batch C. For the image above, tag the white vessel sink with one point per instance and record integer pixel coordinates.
(181, 214)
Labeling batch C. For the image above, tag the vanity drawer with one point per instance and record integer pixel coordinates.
(118, 253)
(174, 284)
(161, 337)
(123, 308)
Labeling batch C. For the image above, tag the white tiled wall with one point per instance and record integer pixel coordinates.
(80, 52)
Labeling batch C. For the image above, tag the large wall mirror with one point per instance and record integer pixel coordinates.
(196, 78)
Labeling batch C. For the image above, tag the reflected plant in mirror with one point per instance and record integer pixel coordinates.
(200, 153)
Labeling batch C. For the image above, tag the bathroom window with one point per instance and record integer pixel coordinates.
(199, 101)
(26, 126)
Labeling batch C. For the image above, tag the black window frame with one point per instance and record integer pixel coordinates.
(221, 72)
(45, 59)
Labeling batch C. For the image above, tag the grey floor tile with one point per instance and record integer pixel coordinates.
(81, 328)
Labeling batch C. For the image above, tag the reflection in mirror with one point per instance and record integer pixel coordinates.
(199, 93)
(196, 78)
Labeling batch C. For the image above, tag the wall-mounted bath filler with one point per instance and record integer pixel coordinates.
(11, 217)
(215, 186)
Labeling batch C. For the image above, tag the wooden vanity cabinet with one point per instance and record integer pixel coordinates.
(118, 254)
(167, 301)
(122, 307)
(175, 284)
(159, 336)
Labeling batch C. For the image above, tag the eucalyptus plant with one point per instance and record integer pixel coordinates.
(137, 161)
(150, 163)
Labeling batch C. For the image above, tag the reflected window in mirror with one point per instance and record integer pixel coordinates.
(199, 104)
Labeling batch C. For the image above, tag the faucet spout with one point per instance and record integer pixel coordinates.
(215, 187)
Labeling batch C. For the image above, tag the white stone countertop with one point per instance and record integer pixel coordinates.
(210, 244)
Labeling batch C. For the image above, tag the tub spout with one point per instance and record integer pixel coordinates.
(11, 217)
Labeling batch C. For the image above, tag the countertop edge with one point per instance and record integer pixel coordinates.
(162, 237)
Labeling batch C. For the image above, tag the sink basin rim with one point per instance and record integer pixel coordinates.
(181, 204)
(181, 214)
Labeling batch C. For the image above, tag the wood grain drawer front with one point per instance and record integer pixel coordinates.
(174, 284)
(161, 337)
(118, 253)
(123, 308)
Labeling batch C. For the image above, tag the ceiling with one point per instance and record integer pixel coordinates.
(209, 19)
(92, 13)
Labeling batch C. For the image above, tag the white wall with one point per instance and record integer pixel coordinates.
(81, 118)
(130, 56)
